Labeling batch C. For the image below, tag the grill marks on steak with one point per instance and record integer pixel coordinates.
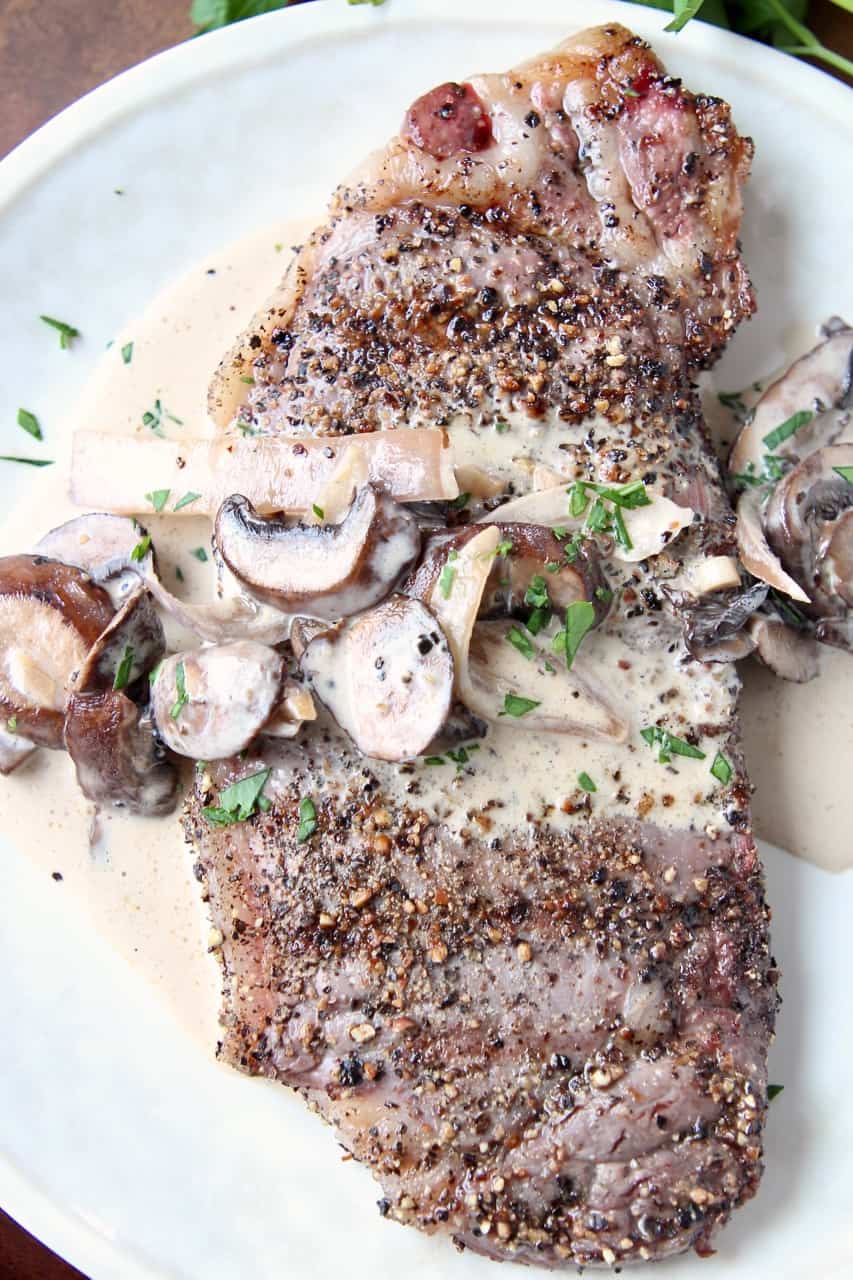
(552, 1049)
(549, 1042)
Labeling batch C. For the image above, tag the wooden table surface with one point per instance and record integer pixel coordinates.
(50, 54)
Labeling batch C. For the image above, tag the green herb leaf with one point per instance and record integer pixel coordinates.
(721, 769)
(503, 548)
(773, 1091)
(127, 352)
(462, 755)
(514, 705)
(536, 594)
(158, 498)
(448, 573)
(622, 535)
(578, 498)
(30, 423)
(207, 15)
(585, 781)
(12, 724)
(67, 332)
(249, 381)
(28, 462)
(200, 554)
(307, 819)
(669, 745)
(434, 760)
(152, 675)
(538, 619)
(124, 668)
(684, 10)
(787, 428)
(186, 500)
(181, 686)
(604, 594)
(460, 503)
(580, 616)
(140, 551)
(519, 640)
(241, 797)
(179, 573)
(318, 511)
(598, 520)
(153, 418)
(846, 473)
(501, 427)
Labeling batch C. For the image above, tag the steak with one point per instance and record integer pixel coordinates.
(528, 979)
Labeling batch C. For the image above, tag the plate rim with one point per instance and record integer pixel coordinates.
(169, 72)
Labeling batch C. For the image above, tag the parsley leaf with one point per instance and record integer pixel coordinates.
(721, 769)
(127, 352)
(669, 745)
(519, 640)
(580, 616)
(846, 473)
(30, 423)
(29, 462)
(318, 511)
(200, 554)
(158, 498)
(307, 820)
(787, 428)
(448, 573)
(186, 500)
(460, 503)
(67, 332)
(140, 551)
(514, 705)
(585, 781)
(240, 801)
(773, 1091)
(181, 686)
(207, 15)
(536, 594)
(124, 668)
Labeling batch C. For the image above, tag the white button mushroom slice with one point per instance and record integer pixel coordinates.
(819, 383)
(386, 676)
(276, 473)
(14, 750)
(479, 483)
(650, 528)
(456, 596)
(570, 701)
(50, 615)
(788, 653)
(709, 574)
(295, 708)
(328, 570)
(754, 549)
(211, 703)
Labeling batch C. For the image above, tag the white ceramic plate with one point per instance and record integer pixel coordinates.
(123, 1145)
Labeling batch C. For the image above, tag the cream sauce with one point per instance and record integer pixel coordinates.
(132, 877)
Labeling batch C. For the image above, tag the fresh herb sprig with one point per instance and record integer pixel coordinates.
(240, 801)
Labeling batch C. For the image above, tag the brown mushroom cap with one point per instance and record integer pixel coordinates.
(330, 571)
(802, 521)
(788, 653)
(386, 676)
(50, 615)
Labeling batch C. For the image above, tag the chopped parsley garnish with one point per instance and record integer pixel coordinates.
(773, 1091)
(239, 801)
(124, 668)
(29, 462)
(249, 381)
(630, 495)
(552, 567)
(462, 755)
(434, 760)
(571, 549)
(514, 705)
(318, 511)
(67, 332)
(604, 594)
(721, 769)
(732, 400)
(578, 498)
(153, 418)
(622, 535)
(186, 500)
(307, 819)
(460, 503)
(12, 724)
(560, 532)
(152, 675)
(519, 640)
(140, 551)
(503, 548)
(179, 573)
(598, 520)
(669, 745)
(200, 554)
(787, 428)
(30, 423)
(536, 594)
(448, 573)
(501, 427)
(585, 781)
(245, 428)
(846, 473)
(181, 686)
(580, 616)
(158, 498)
(127, 352)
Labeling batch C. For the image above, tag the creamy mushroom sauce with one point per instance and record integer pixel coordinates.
(133, 876)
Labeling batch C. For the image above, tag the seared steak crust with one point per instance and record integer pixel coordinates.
(547, 1039)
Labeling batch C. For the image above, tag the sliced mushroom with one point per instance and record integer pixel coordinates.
(50, 615)
(487, 667)
(708, 574)
(713, 627)
(116, 552)
(111, 741)
(116, 754)
(819, 383)
(806, 523)
(386, 676)
(650, 528)
(210, 703)
(755, 551)
(295, 708)
(276, 473)
(329, 571)
(14, 749)
(791, 654)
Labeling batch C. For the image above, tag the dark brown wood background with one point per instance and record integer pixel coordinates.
(51, 52)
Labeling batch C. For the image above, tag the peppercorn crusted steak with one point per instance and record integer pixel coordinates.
(527, 979)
